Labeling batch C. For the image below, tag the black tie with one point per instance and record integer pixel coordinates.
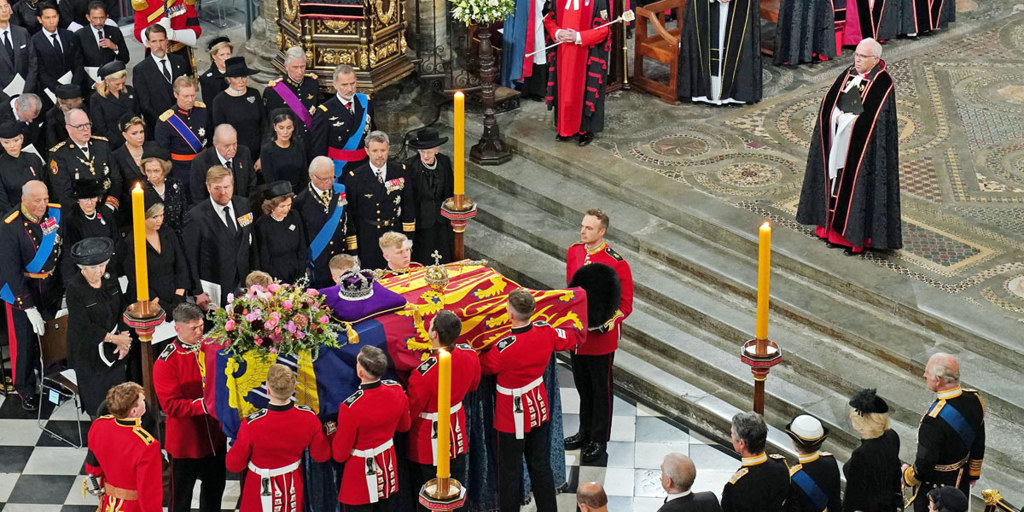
(228, 164)
(167, 72)
(100, 31)
(227, 218)
(8, 45)
(56, 45)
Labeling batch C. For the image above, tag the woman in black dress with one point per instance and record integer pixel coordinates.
(241, 106)
(97, 341)
(112, 100)
(212, 81)
(281, 245)
(873, 472)
(89, 218)
(434, 182)
(165, 260)
(284, 157)
(161, 188)
(16, 167)
(126, 160)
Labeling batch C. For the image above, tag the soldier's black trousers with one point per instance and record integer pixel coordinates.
(536, 447)
(593, 376)
(185, 472)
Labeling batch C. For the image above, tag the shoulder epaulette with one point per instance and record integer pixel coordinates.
(312, 75)
(10, 218)
(58, 146)
(305, 408)
(107, 416)
(273, 82)
(794, 469)
(389, 382)
(256, 415)
(506, 342)
(936, 407)
(425, 366)
(322, 107)
(611, 252)
(779, 458)
(167, 114)
(145, 436)
(199, 104)
(100, 137)
(737, 475)
(353, 397)
(826, 454)
(168, 350)
(541, 323)
(464, 346)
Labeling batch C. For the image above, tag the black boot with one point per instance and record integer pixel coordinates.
(575, 441)
(595, 454)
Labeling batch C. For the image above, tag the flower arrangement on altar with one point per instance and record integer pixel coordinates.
(279, 319)
(481, 11)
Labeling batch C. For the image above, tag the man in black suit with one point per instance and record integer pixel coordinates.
(226, 152)
(323, 208)
(101, 43)
(217, 236)
(59, 54)
(16, 55)
(677, 476)
(154, 76)
(27, 109)
(380, 199)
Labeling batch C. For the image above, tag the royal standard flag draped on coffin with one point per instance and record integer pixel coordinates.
(236, 386)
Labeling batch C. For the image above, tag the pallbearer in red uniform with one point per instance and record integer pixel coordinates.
(273, 482)
(578, 68)
(444, 329)
(124, 459)
(592, 361)
(193, 437)
(521, 408)
(364, 442)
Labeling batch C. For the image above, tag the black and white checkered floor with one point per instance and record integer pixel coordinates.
(39, 473)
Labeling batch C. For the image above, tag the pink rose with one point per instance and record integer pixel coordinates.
(254, 289)
(271, 323)
(290, 327)
(229, 325)
(258, 342)
(273, 287)
(255, 315)
(323, 319)
(287, 305)
(275, 315)
(300, 335)
(312, 292)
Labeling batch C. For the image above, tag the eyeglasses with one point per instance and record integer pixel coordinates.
(82, 126)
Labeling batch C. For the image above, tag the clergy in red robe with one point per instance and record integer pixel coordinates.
(578, 68)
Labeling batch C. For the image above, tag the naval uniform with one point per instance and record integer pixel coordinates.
(15, 172)
(29, 278)
(300, 98)
(377, 205)
(324, 218)
(183, 145)
(760, 485)
(815, 484)
(364, 443)
(273, 460)
(125, 459)
(340, 128)
(70, 162)
(950, 444)
(521, 410)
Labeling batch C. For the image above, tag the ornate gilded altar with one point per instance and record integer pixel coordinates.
(369, 35)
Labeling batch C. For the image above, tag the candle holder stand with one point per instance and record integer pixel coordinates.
(442, 494)
(761, 355)
(144, 316)
(459, 209)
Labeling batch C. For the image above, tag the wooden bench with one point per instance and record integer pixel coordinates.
(662, 46)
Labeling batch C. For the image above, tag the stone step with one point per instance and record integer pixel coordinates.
(661, 360)
(549, 225)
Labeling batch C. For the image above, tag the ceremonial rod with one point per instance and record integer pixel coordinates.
(626, 16)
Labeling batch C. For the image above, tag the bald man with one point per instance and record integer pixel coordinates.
(677, 476)
(591, 497)
(951, 438)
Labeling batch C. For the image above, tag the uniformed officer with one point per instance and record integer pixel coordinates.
(762, 483)
(521, 411)
(592, 361)
(16, 167)
(30, 248)
(193, 438)
(124, 459)
(69, 96)
(951, 438)
(296, 91)
(364, 442)
(444, 330)
(815, 480)
(323, 208)
(82, 156)
(381, 199)
(341, 123)
(180, 20)
(183, 129)
(273, 460)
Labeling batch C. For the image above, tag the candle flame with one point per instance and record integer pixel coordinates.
(766, 224)
(138, 185)
(459, 94)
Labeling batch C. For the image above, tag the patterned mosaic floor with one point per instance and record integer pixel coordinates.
(960, 96)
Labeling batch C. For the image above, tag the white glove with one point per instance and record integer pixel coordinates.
(38, 325)
(165, 22)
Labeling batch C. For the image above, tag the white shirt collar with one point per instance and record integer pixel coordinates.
(220, 210)
(671, 497)
(223, 161)
(49, 35)
(344, 101)
(380, 170)
(158, 59)
(317, 190)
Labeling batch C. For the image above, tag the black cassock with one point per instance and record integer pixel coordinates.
(433, 231)
(703, 59)
(865, 195)
(881, 19)
(922, 16)
(806, 28)
(92, 313)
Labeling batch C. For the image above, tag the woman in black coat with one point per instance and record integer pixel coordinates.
(161, 188)
(112, 100)
(212, 81)
(284, 156)
(241, 106)
(281, 246)
(90, 218)
(873, 472)
(165, 260)
(97, 341)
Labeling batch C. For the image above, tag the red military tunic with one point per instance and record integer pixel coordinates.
(519, 360)
(367, 422)
(178, 376)
(605, 343)
(182, 13)
(573, 59)
(125, 459)
(270, 444)
(423, 404)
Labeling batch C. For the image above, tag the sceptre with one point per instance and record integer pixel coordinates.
(626, 16)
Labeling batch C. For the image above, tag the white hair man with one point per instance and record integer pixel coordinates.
(296, 91)
(322, 206)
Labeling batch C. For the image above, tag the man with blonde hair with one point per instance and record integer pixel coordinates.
(397, 251)
(183, 128)
(340, 264)
(274, 460)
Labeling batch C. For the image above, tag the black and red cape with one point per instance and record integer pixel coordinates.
(577, 73)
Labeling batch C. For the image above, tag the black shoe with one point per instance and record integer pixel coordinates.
(595, 454)
(30, 402)
(585, 139)
(563, 138)
(575, 442)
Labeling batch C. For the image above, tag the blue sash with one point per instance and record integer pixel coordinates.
(185, 132)
(327, 231)
(6, 294)
(42, 255)
(954, 419)
(811, 490)
(353, 142)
